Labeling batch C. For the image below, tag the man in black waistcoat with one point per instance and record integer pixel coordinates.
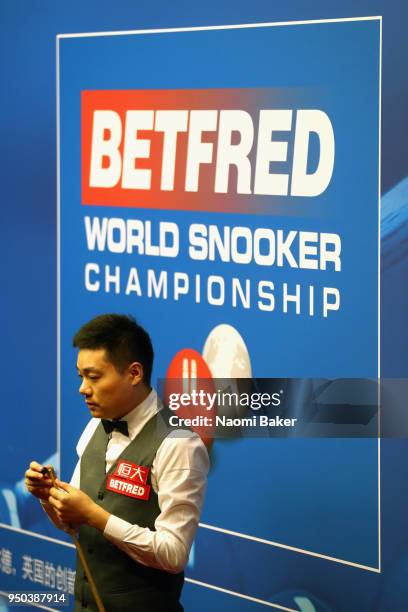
(137, 491)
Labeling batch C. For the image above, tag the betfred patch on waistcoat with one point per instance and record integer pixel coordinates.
(127, 487)
(132, 471)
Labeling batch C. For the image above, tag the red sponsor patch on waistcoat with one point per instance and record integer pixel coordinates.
(127, 487)
(137, 474)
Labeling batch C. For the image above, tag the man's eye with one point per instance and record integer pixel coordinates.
(89, 377)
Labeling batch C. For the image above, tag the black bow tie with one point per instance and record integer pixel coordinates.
(110, 426)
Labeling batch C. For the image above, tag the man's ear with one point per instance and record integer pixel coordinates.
(136, 372)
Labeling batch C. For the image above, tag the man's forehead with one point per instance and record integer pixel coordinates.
(92, 359)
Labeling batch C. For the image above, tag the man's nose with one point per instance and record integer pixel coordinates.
(84, 388)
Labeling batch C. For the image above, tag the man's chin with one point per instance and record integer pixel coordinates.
(95, 411)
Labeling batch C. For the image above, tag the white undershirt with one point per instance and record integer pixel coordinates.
(178, 475)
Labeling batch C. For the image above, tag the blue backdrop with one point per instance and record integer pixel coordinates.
(29, 310)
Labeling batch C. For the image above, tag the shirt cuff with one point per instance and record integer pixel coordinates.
(116, 528)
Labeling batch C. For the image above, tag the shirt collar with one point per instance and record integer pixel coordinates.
(139, 416)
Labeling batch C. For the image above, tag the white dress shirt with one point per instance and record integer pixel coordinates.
(178, 476)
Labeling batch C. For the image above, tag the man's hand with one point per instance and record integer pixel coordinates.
(74, 507)
(37, 483)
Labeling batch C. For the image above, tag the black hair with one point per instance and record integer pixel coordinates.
(124, 340)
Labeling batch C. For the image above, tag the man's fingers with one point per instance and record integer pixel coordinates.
(57, 493)
(33, 479)
(63, 485)
(54, 500)
(55, 503)
(34, 475)
(35, 485)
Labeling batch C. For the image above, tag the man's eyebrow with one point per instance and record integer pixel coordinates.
(90, 369)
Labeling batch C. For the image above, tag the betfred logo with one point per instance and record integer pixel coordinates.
(215, 149)
(124, 487)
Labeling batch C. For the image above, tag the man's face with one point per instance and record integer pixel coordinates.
(107, 392)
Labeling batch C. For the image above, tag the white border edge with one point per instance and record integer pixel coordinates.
(205, 28)
(309, 553)
(240, 595)
(218, 27)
